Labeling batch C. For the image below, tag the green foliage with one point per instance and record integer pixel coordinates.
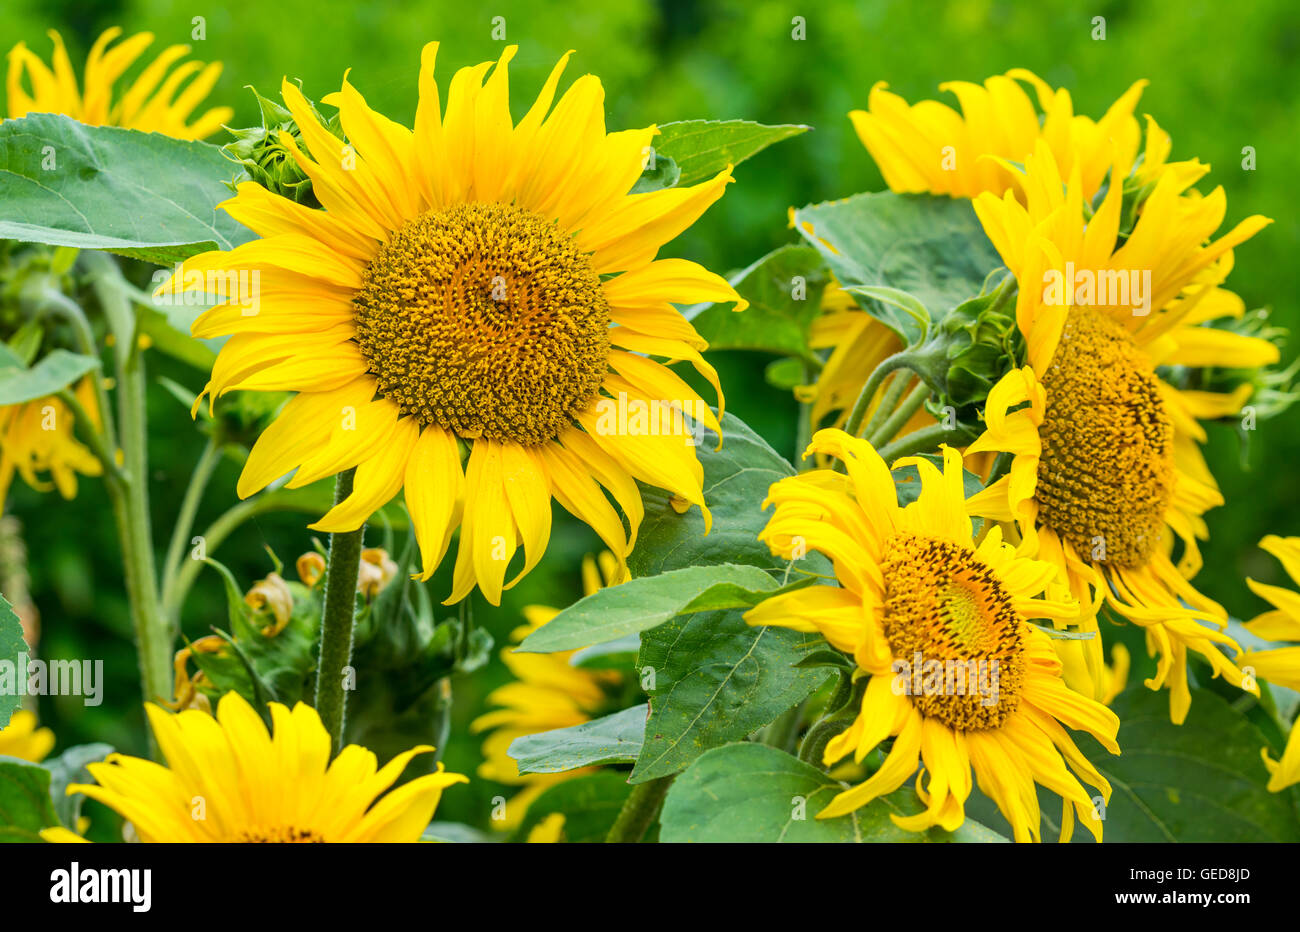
(25, 806)
(11, 646)
(759, 794)
(702, 148)
(94, 187)
(613, 739)
(589, 803)
(70, 767)
(55, 371)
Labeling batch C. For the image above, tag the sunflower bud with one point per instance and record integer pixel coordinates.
(979, 337)
(264, 158)
(377, 571)
(311, 567)
(271, 596)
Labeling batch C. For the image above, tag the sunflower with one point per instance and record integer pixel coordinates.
(1105, 457)
(23, 740)
(916, 593)
(472, 283)
(144, 105)
(37, 437)
(228, 780)
(930, 148)
(548, 692)
(1280, 665)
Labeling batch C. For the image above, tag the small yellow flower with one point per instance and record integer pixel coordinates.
(22, 739)
(228, 780)
(158, 101)
(915, 591)
(36, 437)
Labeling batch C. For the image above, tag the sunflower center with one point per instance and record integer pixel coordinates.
(484, 319)
(1106, 475)
(957, 639)
(278, 835)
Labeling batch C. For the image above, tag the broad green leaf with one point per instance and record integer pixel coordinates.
(100, 187)
(784, 291)
(756, 793)
(55, 371)
(736, 480)
(1201, 781)
(715, 680)
(702, 148)
(932, 248)
(590, 803)
(12, 645)
(638, 604)
(25, 805)
(456, 833)
(70, 767)
(613, 739)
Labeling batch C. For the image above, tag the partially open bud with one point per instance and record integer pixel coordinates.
(272, 596)
(187, 694)
(377, 571)
(265, 159)
(311, 567)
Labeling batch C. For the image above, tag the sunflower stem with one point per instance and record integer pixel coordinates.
(925, 440)
(898, 382)
(889, 429)
(859, 412)
(804, 426)
(639, 811)
(202, 475)
(336, 621)
(129, 495)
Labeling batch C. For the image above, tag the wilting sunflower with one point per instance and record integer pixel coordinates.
(548, 692)
(36, 438)
(930, 148)
(1107, 470)
(915, 587)
(472, 283)
(158, 100)
(228, 780)
(1280, 665)
(22, 739)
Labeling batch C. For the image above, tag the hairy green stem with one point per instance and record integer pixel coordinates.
(639, 811)
(924, 440)
(336, 620)
(859, 412)
(898, 382)
(889, 429)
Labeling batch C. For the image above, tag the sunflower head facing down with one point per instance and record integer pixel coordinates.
(37, 440)
(228, 780)
(473, 284)
(161, 99)
(1106, 472)
(938, 621)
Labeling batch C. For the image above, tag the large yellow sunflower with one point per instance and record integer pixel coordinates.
(1280, 665)
(918, 595)
(548, 692)
(22, 739)
(36, 438)
(930, 148)
(228, 780)
(1106, 459)
(158, 100)
(472, 283)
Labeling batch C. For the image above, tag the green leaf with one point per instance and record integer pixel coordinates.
(613, 739)
(25, 805)
(702, 148)
(756, 793)
(12, 645)
(57, 370)
(736, 480)
(1202, 781)
(590, 804)
(70, 767)
(638, 604)
(932, 248)
(716, 680)
(784, 291)
(100, 187)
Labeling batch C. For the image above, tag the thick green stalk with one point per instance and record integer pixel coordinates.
(888, 430)
(925, 440)
(131, 510)
(336, 621)
(207, 464)
(639, 811)
(859, 412)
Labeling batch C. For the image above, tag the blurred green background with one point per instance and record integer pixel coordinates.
(1222, 77)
